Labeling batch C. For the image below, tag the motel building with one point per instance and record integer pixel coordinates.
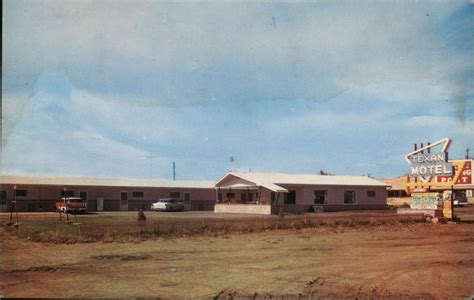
(102, 194)
(253, 193)
(270, 193)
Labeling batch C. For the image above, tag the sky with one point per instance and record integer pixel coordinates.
(93, 88)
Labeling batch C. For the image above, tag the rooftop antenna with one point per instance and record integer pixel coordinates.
(150, 157)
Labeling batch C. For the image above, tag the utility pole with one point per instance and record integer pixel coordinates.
(150, 157)
(174, 171)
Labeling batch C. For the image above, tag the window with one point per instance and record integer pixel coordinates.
(290, 197)
(250, 197)
(219, 197)
(83, 195)
(187, 197)
(174, 195)
(397, 193)
(349, 197)
(320, 196)
(230, 195)
(370, 194)
(243, 197)
(3, 197)
(20, 193)
(67, 194)
(137, 194)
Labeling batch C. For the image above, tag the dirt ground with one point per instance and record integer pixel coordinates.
(408, 260)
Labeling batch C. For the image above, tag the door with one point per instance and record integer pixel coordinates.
(187, 201)
(187, 198)
(123, 200)
(100, 204)
(290, 197)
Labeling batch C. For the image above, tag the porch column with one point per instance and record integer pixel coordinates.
(218, 190)
(259, 194)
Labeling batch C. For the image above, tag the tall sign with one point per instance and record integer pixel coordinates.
(431, 160)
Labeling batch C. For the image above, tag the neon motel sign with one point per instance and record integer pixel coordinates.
(431, 160)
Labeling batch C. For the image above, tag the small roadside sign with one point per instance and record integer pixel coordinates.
(447, 212)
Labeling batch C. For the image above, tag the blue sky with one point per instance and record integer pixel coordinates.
(90, 88)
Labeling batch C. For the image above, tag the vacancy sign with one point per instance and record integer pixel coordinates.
(462, 173)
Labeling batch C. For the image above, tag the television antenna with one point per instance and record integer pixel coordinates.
(150, 157)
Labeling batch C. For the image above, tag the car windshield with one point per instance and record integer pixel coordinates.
(167, 200)
(75, 200)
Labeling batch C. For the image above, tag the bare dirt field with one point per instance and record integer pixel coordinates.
(409, 260)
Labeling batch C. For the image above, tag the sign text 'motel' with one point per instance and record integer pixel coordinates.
(426, 162)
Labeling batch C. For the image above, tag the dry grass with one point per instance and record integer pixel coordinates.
(399, 202)
(126, 229)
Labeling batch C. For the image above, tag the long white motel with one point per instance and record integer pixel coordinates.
(33, 193)
(254, 193)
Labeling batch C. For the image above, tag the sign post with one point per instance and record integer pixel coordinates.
(452, 202)
(427, 164)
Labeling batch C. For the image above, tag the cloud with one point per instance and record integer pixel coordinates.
(107, 82)
(187, 53)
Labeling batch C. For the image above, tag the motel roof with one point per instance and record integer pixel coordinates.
(106, 182)
(396, 183)
(272, 181)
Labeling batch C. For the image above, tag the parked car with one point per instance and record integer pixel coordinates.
(71, 205)
(460, 199)
(167, 204)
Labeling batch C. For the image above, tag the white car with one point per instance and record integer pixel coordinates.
(460, 200)
(167, 204)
